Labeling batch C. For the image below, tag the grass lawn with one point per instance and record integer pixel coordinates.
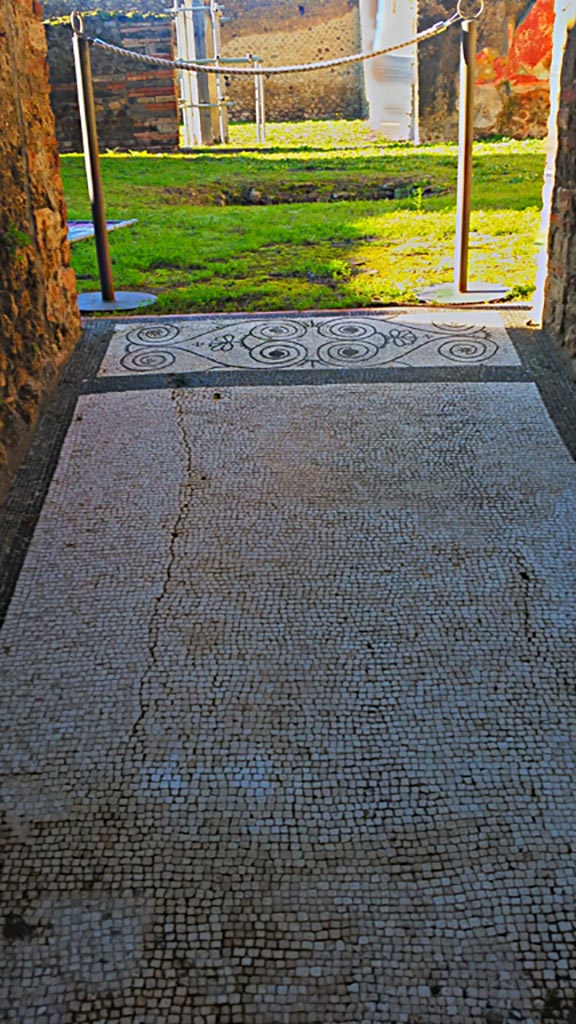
(304, 221)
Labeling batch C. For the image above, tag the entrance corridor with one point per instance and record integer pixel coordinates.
(288, 677)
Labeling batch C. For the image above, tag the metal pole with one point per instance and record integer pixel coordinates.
(216, 47)
(91, 154)
(462, 292)
(262, 110)
(256, 101)
(465, 140)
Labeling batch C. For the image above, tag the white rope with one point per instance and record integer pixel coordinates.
(218, 69)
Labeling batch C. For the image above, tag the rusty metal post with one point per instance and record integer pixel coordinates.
(91, 154)
(462, 291)
(466, 138)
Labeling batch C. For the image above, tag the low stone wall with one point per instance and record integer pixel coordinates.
(136, 103)
(560, 299)
(39, 320)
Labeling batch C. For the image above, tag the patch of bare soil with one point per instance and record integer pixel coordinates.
(301, 192)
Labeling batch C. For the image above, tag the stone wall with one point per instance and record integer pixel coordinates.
(39, 321)
(136, 103)
(514, 52)
(292, 32)
(512, 98)
(560, 297)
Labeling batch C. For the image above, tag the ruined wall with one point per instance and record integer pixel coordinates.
(560, 297)
(39, 321)
(512, 98)
(292, 32)
(136, 96)
(136, 104)
(514, 53)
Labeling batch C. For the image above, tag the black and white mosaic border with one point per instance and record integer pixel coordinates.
(309, 343)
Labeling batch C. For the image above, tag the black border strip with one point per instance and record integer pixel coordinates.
(552, 373)
(29, 488)
(278, 378)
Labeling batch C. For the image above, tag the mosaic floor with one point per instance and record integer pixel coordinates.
(310, 342)
(289, 707)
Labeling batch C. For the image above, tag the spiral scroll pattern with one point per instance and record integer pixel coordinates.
(279, 330)
(470, 350)
(147, 361)
(347, 329)
(155, 335)
(279, 353)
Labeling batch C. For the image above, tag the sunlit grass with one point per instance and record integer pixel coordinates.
(200, 251)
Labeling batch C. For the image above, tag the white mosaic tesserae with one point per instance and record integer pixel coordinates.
(393, 339)
(290, 730)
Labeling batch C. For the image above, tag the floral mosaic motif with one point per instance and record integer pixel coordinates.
(306, 343)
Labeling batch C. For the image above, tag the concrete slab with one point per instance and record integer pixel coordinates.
(304, 342)
(288, 728)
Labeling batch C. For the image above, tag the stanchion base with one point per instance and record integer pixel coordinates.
(477, 291)
(92, 302)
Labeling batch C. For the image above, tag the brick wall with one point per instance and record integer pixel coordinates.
(136, 104)
(39, 321)
(560, 298)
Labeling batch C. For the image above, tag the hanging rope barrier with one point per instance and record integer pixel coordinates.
(82, 43)
(184, 65)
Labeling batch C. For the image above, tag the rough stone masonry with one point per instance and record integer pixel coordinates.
(39, 320)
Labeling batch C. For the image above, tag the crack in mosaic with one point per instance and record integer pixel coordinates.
(288, 688)
(310, 343)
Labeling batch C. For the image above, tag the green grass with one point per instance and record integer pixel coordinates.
(201, 247)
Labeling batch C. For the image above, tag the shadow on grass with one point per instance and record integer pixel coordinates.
(205, 256)
(303, 257)
(505, 176)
